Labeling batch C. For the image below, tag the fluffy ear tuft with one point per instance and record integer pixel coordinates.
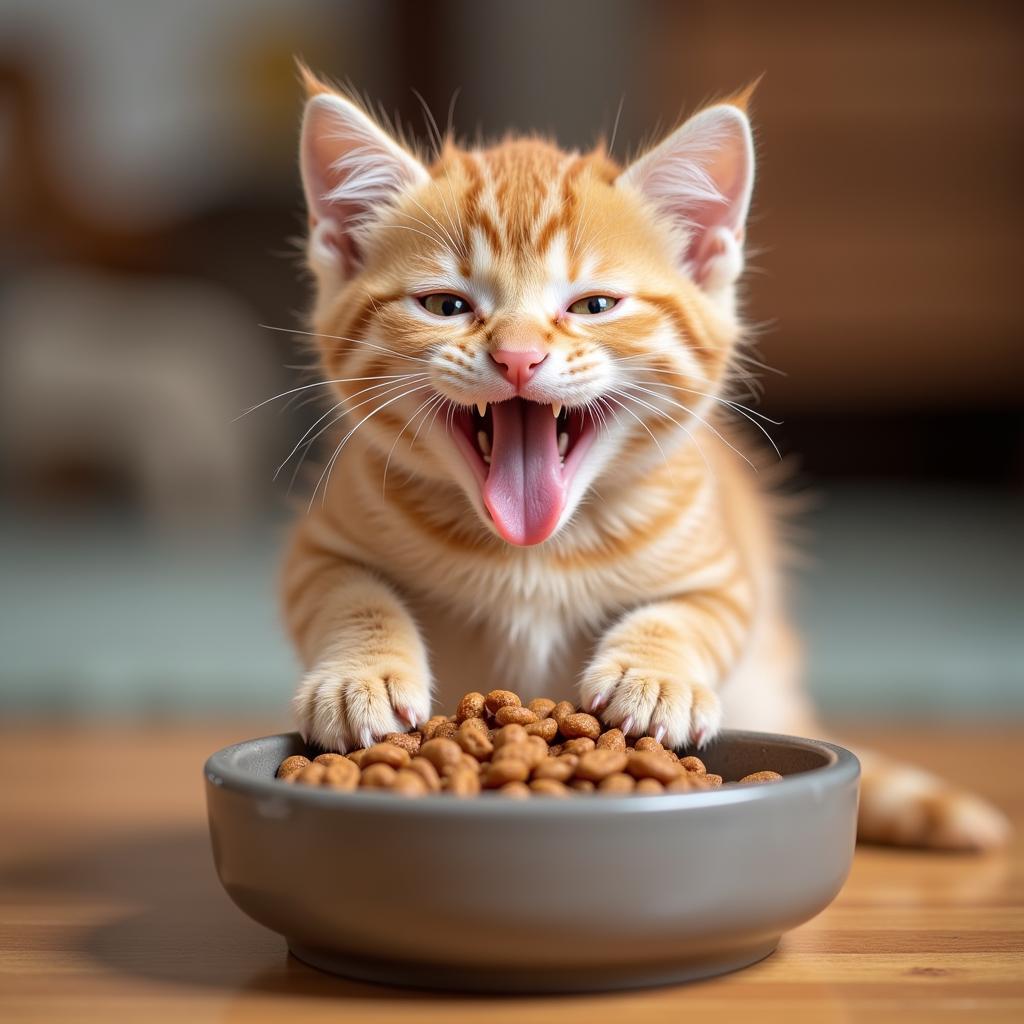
(351, 170)
(701, 178)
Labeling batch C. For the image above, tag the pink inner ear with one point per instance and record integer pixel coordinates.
(351, 169)
(339, 242)
(730, 173)
(702, 177)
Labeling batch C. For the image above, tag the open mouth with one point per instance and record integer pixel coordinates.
(524, 456)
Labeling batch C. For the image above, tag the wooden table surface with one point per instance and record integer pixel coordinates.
(110, 909)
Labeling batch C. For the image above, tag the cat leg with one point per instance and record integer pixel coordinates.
(658, 669)
(367, 671)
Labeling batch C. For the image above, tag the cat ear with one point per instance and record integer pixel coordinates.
(701, 178)
(351, 169)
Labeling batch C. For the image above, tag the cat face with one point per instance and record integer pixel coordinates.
(519, 321)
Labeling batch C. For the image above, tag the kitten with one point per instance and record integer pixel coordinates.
(532, 485)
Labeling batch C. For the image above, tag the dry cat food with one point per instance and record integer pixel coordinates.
(493, 743)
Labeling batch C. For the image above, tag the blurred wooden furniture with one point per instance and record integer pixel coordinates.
(110, 910)
(887, 212)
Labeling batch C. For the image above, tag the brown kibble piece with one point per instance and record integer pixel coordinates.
(328, 759)
(462, 782)
(693, 764)
(446, 731)
(761, 777)
(555, 750)
(427, 772)
(619, 783)
(409, 783)
(562, 709)
(501, 699)
(356, 756)
(510, 715)
(512, 751)
(685, 782)
(431, 726)
(580, 724)
(311, 775)
(508, 769)
(596, 765)
(292, 766)
(541, 707)
(514, 791)
(475, 742)
(649, 786)
(378, 776)
(582, 785)
(613, 739)
(649, 743)
(479, 724)
(546, 729)
(471, 706)
(440, 752)
(536, 751)
(672, 756)
(549, 787)
(408, 741)
(578, 746)
(558, 768)
(713, 781)
(342, 774)
(510, 734)
(647, 764)
(385, 753)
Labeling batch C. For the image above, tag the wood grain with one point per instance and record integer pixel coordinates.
(110, 910)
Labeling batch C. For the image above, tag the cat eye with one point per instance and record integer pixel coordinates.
(443, 304)
(593, 304)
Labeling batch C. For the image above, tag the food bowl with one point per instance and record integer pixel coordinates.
(588, 893)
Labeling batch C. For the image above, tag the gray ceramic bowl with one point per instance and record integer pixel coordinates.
(542, 895)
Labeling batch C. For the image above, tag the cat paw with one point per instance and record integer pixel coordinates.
(647, 702)
(342, 705)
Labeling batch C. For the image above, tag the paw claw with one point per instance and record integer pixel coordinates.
(659, 733)
(341, 705)
(599, 701)
(627, 725)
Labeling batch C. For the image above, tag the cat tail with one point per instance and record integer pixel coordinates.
(903, 805)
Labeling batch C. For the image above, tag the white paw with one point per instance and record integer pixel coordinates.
(649, 702)
(342, 705)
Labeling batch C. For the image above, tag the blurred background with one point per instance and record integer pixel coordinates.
(149, 209)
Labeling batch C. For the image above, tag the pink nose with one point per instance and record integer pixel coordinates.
(518, 366)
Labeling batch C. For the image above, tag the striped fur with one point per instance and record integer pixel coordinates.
(656, 600)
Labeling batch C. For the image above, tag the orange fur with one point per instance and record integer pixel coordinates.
(655, 597)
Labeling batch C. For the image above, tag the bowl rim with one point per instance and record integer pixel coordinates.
(842, 767)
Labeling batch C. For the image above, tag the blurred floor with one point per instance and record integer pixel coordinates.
(909, 601)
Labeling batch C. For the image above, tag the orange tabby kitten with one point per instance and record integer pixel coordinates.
(530, 483)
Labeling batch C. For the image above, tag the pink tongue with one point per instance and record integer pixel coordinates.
(524, 491)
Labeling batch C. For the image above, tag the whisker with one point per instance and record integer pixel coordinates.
(737, 406)
(626, 408)
(689, 412)
(433, 419)
(353, 341)
(425, 403)
(682, 426)
(747, 414)
(323, 384)
(381, 389)
(326, 474)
